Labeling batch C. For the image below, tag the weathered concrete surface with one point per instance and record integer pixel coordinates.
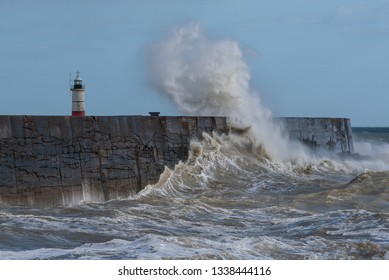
(52, 160)
(49, 160)
(333, 134)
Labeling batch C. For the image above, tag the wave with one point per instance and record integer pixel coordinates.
(205, 76)
(255, 162)
(229, 200)
(208, 76)
(219, 160)
(234, 165)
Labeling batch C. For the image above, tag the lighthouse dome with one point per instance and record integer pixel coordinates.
(77, 83)
(78, 78)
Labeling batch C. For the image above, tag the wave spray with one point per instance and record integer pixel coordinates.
(203, 76)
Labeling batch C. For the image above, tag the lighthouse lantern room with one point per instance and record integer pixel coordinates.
(78, 96)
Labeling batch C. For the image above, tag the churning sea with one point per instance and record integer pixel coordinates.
(228, 201)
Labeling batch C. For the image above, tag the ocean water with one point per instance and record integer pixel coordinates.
(228, 201)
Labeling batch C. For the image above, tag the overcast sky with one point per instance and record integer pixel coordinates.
(306, 58)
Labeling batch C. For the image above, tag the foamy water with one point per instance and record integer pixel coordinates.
(226, 202)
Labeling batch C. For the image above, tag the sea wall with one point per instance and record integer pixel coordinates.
(329, 134)
(54, 160)
(51, 160)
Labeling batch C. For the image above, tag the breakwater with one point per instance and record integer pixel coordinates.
(53, 160)
(332, 134)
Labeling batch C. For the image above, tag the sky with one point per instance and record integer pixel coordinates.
(306, 58)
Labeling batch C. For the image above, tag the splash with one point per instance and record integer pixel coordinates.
(203, 76)
(200, 75)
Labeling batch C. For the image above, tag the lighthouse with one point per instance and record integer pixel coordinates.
(78, 97)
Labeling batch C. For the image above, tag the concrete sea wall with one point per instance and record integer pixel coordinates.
(54, 160)
(332, 134)
(49, 160)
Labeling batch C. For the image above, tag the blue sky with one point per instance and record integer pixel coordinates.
(306, 58)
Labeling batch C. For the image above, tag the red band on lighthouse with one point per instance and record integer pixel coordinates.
(78, 113)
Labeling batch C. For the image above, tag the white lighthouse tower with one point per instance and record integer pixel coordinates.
(78, 97)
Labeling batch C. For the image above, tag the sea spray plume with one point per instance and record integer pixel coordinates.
(209, 77)
(199, 75)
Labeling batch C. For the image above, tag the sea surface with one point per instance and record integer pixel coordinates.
(228, 201)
